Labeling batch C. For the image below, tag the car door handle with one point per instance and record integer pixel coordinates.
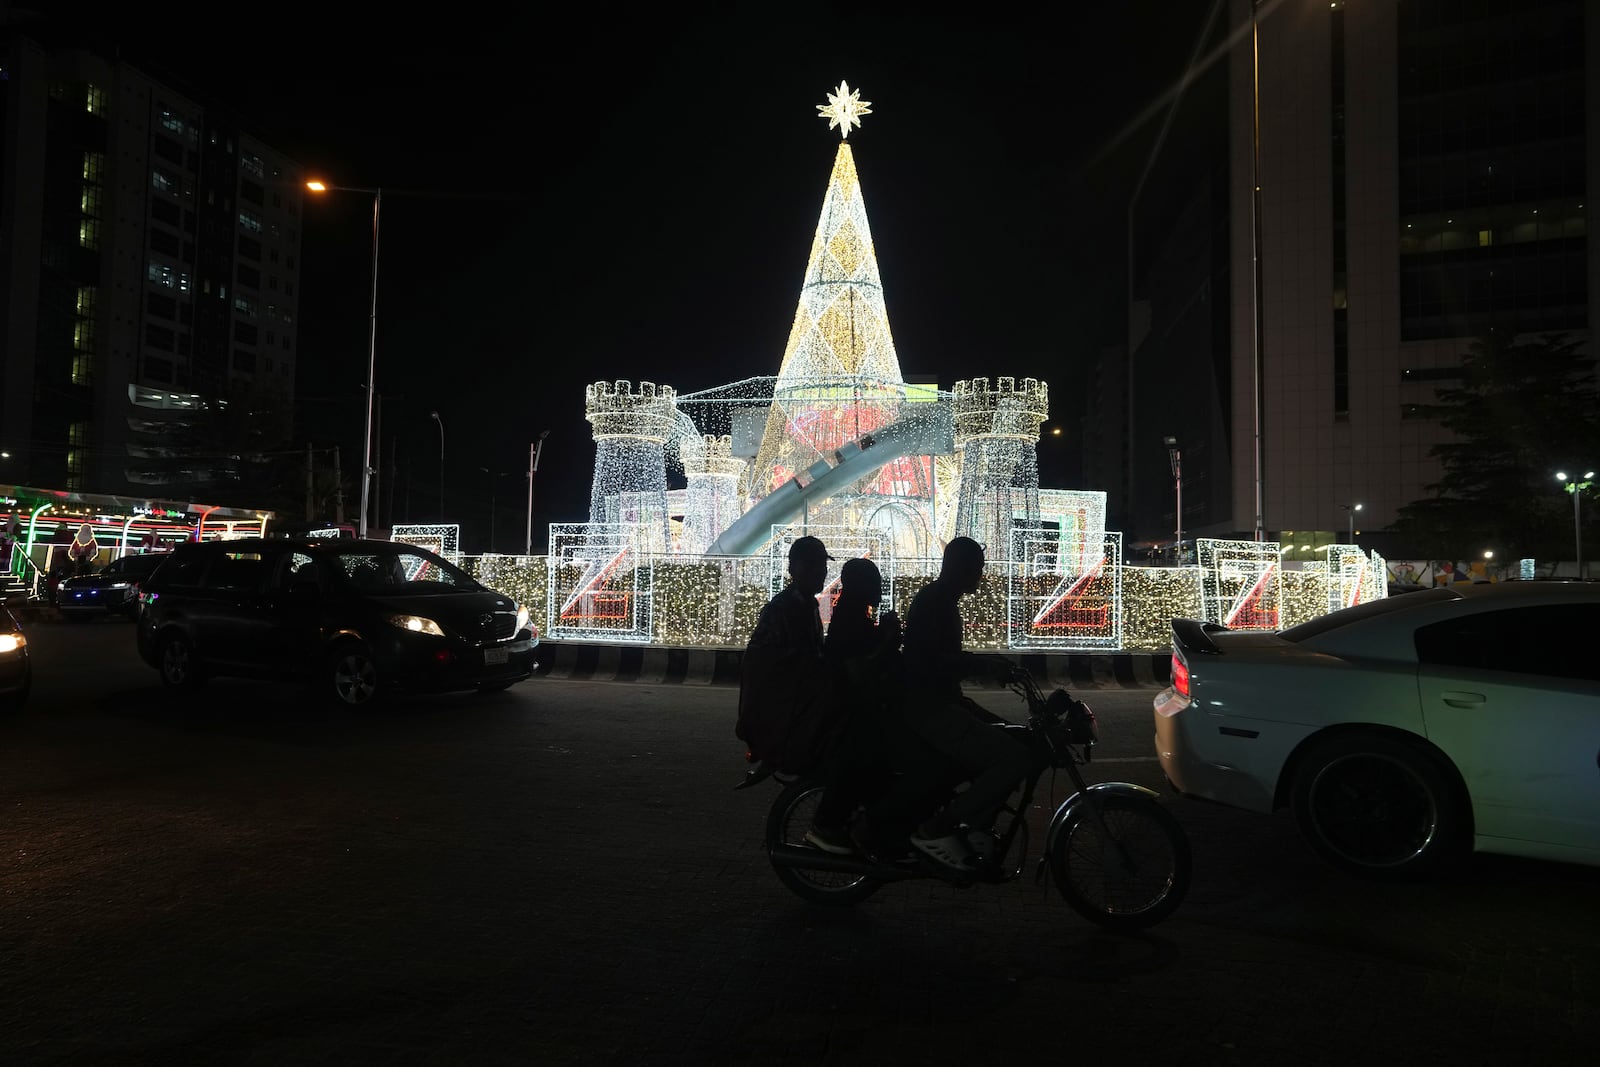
(1458, 699)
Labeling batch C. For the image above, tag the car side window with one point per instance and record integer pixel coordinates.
(183, 570)
(296, 572)
(237, 571)
(1551, 640)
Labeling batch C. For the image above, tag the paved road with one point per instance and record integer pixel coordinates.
(562, 874)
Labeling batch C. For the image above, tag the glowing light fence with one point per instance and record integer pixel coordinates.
(1065, 594)
(594, 588)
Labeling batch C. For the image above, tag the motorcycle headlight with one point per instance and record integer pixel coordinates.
(416, 624)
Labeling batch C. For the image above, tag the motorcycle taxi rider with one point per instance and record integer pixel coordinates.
(960, 734)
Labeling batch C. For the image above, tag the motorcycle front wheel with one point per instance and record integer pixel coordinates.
(791, 816)
(1132, 878)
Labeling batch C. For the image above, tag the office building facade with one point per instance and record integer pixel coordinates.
(148, 280)
(1422, 167)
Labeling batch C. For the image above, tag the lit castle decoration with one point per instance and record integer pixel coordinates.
(631, 427)
(997, 432)
(711, 500)
(838, 445)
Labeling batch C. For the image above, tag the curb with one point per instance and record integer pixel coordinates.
(719, 667)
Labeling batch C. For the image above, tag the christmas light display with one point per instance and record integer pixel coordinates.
(844, 109)
(1241, 583)
(997, 433)
(838, 446)
(631, 427)
(444, 539)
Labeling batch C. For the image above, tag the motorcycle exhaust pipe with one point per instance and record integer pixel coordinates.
(814, 859)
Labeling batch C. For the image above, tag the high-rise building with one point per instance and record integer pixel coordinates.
(1421, 167)
(148, 279)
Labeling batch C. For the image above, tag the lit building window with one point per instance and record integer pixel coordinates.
(94, 100)
(89, 233)
(249, 222)
(164, 182)
(252, 163)
(94, 165)
(85, 305)
(89, 201)
(169, 121)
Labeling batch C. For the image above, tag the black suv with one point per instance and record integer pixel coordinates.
(356, 618)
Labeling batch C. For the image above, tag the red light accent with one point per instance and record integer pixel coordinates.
(1180, 676)
(443, 656)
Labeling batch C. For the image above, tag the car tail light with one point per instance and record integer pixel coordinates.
(1180, 676)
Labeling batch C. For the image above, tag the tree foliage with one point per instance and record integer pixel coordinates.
(1525, 408)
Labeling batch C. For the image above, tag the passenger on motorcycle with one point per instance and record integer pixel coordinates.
(862, 651)
(960, 736)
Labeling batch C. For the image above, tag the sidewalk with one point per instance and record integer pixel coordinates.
(720, 667)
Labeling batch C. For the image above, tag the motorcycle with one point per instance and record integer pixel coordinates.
(1117, 856)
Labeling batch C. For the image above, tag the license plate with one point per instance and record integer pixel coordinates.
(494, 655)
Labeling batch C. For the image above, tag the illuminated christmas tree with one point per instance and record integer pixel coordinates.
(840, 378)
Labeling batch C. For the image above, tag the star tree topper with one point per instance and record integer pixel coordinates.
(844, 108)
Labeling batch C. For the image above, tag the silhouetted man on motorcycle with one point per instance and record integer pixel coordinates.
(962, 740)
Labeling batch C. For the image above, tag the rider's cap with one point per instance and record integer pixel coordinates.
(808, 548)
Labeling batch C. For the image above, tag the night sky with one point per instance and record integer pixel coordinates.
(634, 197)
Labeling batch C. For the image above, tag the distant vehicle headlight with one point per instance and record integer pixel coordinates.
(12, 642)
(416, 624)
(118, 585)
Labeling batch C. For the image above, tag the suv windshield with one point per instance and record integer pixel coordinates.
(402, 570)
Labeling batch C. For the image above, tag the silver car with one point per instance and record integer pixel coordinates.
(1403, 732)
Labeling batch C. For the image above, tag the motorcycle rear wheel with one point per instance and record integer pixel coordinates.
(791, 816)
(1132, 880)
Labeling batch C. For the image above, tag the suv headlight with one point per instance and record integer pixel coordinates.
(416, 624)
(522, 618)
(12, 642)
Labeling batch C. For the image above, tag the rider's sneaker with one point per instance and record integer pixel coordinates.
(950, 851)
(834, 839)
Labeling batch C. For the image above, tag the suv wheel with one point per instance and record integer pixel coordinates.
(353, 675)
(179, 667)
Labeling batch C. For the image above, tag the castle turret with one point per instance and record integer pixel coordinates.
(712, 495)
(997, 434)
(631, 427)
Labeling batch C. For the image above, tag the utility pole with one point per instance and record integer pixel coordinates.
(338, 490)
(534, 451)
(310, 484)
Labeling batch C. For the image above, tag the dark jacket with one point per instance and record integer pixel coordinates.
(787, 714)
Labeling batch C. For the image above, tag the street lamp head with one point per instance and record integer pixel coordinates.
(1561, 476)
(316, 186)
(1170, 441)
(1360, 506)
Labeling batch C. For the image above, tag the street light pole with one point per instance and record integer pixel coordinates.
(1175, 458)
(372, 340)
(436, 418)
(1575, 486)
(1350, 510)
(533, 468)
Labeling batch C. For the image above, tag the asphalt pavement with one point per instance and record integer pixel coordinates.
(563, 874)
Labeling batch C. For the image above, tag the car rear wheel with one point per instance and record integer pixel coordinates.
(1378, 807)
(179, 667)
(353, 676)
